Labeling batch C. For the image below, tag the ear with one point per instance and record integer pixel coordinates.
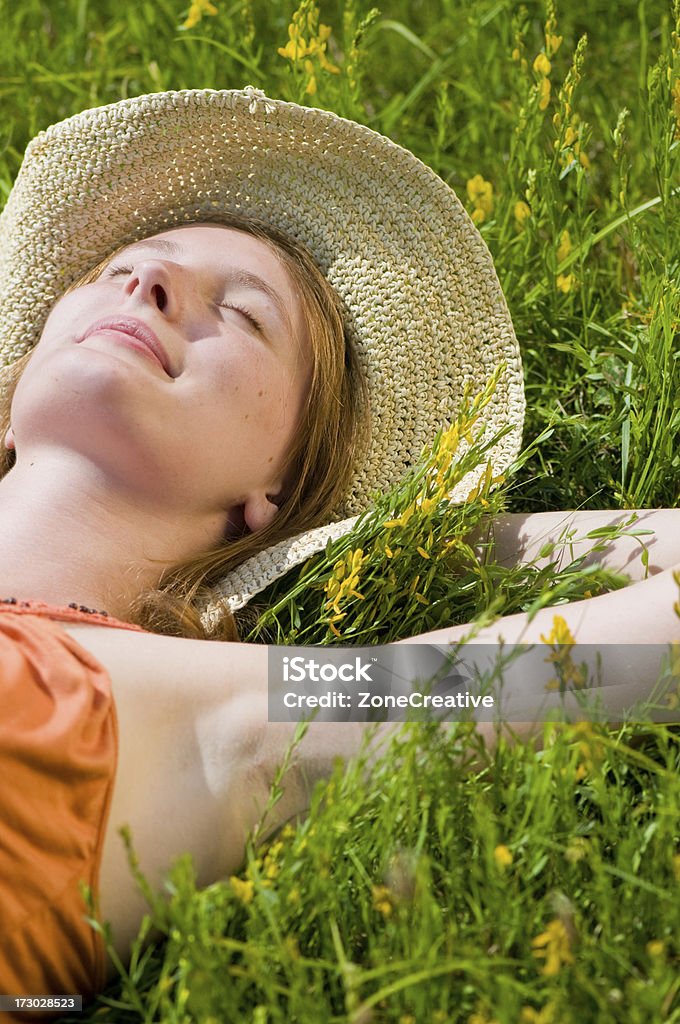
(9, 440)
(259, 511)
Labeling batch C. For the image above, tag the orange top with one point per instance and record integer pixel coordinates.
(58, 754)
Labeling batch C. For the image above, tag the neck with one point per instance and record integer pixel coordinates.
(70, 535)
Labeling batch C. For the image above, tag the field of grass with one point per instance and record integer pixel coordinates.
(531, 887)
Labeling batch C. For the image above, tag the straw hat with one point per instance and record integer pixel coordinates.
(423, 301)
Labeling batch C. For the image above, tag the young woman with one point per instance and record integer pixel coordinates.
(203, 391)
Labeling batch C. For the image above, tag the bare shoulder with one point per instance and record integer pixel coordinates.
(167, 665)
(191, 721)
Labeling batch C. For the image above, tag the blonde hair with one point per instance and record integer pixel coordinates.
(318, 466)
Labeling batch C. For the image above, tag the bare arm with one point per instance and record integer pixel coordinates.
(521, 537)
(622, 637)
(197, 755)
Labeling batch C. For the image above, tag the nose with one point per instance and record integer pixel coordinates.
(157, 283)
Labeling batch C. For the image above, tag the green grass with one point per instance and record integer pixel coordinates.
(415, 893)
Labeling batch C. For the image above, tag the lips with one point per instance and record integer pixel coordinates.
(137, 330)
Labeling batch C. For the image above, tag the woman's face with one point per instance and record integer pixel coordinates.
(184, 367)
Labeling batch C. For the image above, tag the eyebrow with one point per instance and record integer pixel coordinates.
(233, 276)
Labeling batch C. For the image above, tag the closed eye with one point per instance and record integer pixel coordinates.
(244, 312)
(116, 269)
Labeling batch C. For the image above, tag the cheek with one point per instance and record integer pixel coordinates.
(267, 422)
(264, 394)
(278, 405)
(62, 321)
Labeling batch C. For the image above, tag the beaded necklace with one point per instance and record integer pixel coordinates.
(72, 612)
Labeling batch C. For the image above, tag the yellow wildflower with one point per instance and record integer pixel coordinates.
(307, 38)
(552, 40)
(480, 194)
(196, 11)
(570, 135)
(242, 888)
(544, 93)
(562, 642)
(345, 580)
(655, 948)
(403, 518)
(381, 900)
(565, 282)
(554, 947)
(450, 439)
(542, 65)
(502, 856)
(319, 48)
(320, 52)
(311, 79)
(294, 896)
(296, 47)
(552, 44)
(522, 213)
(559, 634)
(271, 865)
